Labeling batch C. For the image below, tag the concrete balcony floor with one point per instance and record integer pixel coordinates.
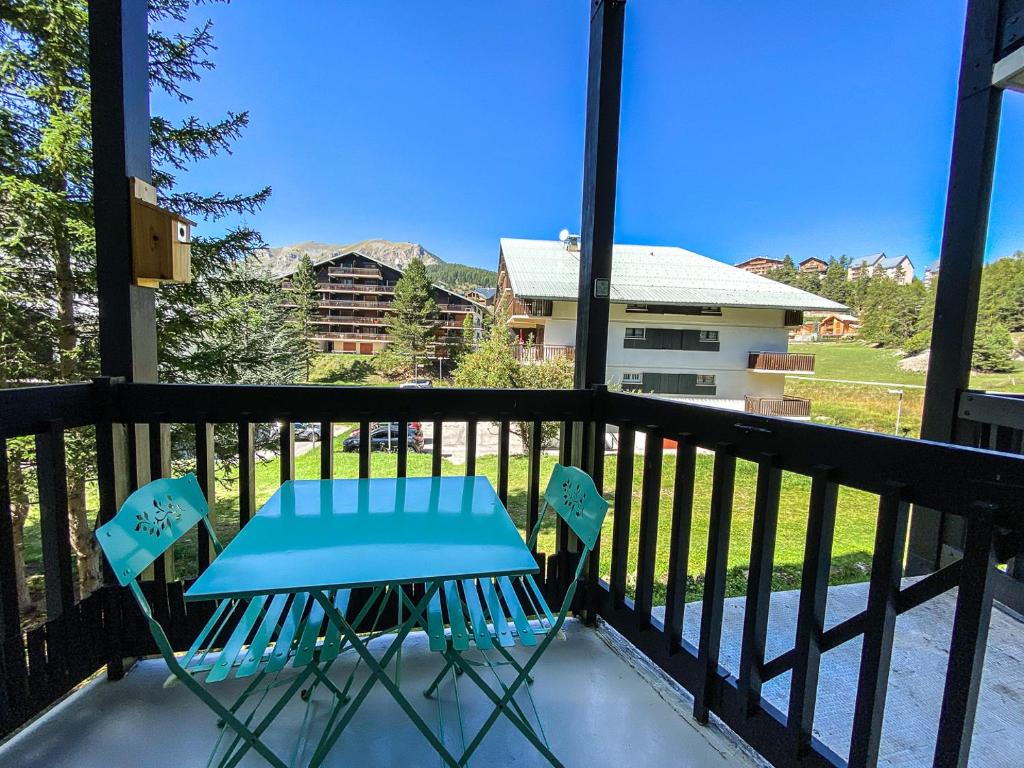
(916, 679)
(597, 710)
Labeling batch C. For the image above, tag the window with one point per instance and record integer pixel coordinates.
(632, 378)
(636, 307)
(636, 333)
(709, 336)
(705, 380)
(711, 311)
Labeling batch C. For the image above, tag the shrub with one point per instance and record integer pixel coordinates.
(993, 348)
(919, 342)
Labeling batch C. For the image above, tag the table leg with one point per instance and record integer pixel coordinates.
(378, 672)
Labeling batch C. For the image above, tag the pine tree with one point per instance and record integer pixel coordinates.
(302, 298)
(834, 284)
(413, 316)
(993, 347)
(785, 273)
(47, 246)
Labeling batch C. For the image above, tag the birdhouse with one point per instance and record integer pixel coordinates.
(161, 240)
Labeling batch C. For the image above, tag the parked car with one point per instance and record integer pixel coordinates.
(384, 437)
(307, 431)
(416, 384)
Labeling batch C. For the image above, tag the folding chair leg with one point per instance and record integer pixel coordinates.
(515, 664)
(437, 680)
(501, 705)
(250, 737)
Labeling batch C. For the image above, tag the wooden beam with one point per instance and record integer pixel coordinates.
(601, 152)
(119, 75)
(975, 133)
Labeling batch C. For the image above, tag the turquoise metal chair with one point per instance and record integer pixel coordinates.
(263, 633)
(487, 624)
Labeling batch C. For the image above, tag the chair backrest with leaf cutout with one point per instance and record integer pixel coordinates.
(150, 521)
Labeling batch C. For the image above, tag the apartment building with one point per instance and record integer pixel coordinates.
(354, 293)
(759, 265)
(682, 325)
(898, 268)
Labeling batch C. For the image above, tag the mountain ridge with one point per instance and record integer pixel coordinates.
(282, 259)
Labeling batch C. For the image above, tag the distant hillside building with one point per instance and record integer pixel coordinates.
(814, 264)
(898, 268)
(681, 324)
(483, 296)
(759, 265)
(354, 292)
(931, 274)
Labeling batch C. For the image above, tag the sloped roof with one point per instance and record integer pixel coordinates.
(645, 274)
(891, 262)
(487, 293)
(879, 260)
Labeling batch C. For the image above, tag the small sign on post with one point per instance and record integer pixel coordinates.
(601, 286)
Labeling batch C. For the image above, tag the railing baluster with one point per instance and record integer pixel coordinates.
(326, 449)
(566, 544)
(621, 513)
(207, 482)
(535, 440)
(365, 446)
(650, 499)
(53, 521)
(435, 462)
(13, 690)
(287, 440)
(503, 437)
(246, 472)
(593, 461)
(160, 466)
(759, 581)
(713, 603)
(55, 531)
(403, 448)
(679, 546)
(967, 646)
(876, 653)
(810, 620)
(470, 447)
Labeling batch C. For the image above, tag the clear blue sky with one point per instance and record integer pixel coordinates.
(798, 126)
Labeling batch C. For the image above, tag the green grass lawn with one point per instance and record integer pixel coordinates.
(870, 406)
(851, 551)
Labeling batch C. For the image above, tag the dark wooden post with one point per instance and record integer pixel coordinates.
(601, 154)
(597, 232)
(119, 74)
(963, 251)
(118, 68)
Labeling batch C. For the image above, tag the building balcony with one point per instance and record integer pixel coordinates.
(780, 362)
(350, 320)
(788, 407)
(352, 304)
(346, 336)
(530, 308)
(365, 272)
(657, 659)
(535, 353)
(379, 288)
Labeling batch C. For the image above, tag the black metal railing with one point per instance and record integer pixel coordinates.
(994, 421)
(981, 488)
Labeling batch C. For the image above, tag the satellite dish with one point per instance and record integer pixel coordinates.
(563, 235)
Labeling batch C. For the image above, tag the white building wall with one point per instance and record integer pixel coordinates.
(740, 331)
